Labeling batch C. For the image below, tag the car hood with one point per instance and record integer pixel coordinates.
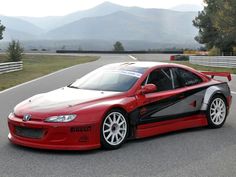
(59, 100)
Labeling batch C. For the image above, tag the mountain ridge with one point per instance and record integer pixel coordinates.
(107, 22)
(131, 24)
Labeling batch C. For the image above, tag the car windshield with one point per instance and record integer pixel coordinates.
(107, 80)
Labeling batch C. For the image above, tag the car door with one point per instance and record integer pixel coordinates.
(177, 95)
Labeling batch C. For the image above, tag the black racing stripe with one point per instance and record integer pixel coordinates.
(152, 108)
(165, 103)
(170, 117)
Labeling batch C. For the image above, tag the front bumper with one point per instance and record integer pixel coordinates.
(57, 136)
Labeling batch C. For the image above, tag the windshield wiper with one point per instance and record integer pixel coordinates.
(71, 86)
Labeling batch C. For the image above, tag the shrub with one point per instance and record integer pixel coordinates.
(214, 52)
(118, 47)
(15, 51)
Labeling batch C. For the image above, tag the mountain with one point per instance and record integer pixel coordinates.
(52, 22)
(155, 25)
(19, 29)
(100, 10)
(46, 23)
(187, 7)
(101, 26)
(11, 34)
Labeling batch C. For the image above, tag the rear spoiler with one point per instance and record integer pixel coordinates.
(221, 74)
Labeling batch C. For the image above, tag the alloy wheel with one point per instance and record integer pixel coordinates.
(114, 128)
(217, 111)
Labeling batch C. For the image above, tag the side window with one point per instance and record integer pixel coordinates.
(188, 78)
(162, 78)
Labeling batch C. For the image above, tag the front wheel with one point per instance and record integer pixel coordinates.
(217, 112)
(114, 129)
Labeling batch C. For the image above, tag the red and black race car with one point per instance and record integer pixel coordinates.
(121, 101)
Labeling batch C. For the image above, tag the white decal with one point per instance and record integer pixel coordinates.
(129, 73)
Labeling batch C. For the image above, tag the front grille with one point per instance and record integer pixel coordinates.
(35, 133)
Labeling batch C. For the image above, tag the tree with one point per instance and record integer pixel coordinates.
(204, 22)
(118, 47)
(217, 25)
(15, 51)
(2, 28)
(225, 22)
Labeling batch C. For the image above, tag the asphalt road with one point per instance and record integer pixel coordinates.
(197, 152)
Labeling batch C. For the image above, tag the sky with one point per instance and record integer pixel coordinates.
(40, 8)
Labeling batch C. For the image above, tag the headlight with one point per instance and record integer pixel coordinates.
(11, 114)
(62, 118)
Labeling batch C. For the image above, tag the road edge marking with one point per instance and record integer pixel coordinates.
(36, 79)
(233, 92)
(132, 57)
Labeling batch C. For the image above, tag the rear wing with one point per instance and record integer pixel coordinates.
(221, 74)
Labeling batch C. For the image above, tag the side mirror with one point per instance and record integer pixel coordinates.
(148, 88)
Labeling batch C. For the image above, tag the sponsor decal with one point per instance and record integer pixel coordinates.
(125, 72)
(80, 129)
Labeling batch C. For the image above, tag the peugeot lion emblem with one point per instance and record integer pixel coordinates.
(26, 117)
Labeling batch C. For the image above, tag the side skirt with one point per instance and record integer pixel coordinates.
(151, 129)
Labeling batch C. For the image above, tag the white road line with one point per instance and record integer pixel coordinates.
(233, 92)
(14, 87)
(37, 79)
(134, 58)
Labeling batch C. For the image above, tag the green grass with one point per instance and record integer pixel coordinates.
(207, 68)
(38, 65)
(3, 58)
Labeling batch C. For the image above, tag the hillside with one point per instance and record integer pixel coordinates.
(106, 22)
(51, 22)
(154, 25)
(19, 29)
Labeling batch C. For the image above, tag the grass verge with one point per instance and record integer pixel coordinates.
(3, 58)
(39, 65)
(207, 68)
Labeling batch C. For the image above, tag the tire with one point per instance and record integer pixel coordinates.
(114, 129)
(216, 112)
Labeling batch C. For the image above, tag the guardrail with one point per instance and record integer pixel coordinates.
(214, 61)
(10, 67)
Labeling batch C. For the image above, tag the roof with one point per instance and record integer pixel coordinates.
(139, 64)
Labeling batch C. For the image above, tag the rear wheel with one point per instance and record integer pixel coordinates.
(114, 129)
(216, 112)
